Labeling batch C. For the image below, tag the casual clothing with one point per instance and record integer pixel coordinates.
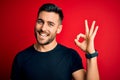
(57, 64)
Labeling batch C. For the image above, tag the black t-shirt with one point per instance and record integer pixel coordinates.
(57, 64)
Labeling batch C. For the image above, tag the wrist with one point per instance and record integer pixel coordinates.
(90, 49)
(91, 55)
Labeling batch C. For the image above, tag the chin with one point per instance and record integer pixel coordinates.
(43, 43)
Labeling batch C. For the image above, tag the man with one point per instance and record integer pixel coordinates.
(49, 60)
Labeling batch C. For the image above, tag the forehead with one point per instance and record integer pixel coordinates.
(48, 16)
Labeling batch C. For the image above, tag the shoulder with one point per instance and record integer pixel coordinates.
(69, 50)
(21, 55)
(26, 51)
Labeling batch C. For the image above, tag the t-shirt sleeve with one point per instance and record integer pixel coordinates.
(76, 61)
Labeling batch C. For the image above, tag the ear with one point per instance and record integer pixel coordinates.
(59, 29)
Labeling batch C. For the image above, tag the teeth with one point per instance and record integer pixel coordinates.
(43, 35)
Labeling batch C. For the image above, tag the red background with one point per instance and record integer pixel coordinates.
(17, 20)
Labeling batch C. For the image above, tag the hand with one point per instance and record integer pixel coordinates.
(87, 44)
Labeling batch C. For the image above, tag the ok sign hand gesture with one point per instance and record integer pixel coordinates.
(87, 44)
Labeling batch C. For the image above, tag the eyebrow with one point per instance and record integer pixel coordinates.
(40, 19)
(51, 22)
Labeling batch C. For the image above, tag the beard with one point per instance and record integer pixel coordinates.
(49, 38)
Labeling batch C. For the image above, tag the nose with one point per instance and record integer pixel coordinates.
(44, 27)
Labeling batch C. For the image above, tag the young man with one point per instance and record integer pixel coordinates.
(49, 60)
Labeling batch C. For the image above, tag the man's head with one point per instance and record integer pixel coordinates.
(48, 24)
(49, 7)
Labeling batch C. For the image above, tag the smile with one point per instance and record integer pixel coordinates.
(43, 35)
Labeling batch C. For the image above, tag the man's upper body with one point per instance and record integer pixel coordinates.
(35, 59)
(56, 64)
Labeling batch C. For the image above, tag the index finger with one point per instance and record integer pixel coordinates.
(86, 27)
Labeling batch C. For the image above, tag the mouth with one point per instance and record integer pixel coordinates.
(43, 34)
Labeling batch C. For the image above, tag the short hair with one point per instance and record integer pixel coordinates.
(49, 7)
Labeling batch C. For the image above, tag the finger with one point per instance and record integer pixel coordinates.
(92, 27)
(95, 31)
(80, 36)
(77, 42)
(86, 27)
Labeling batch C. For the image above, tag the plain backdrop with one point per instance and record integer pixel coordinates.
(17, 21)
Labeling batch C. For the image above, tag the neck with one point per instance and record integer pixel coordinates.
(45, 48)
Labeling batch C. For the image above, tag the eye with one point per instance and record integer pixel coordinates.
(50, 24)
(39, 21)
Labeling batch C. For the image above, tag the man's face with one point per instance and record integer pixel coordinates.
(47, 26)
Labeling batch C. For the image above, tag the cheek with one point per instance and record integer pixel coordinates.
(37, 26)
(55, 31)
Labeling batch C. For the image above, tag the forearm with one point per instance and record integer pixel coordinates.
(92, 69)
(87, 45)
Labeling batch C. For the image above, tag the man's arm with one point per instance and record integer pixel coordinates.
(87, 46)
